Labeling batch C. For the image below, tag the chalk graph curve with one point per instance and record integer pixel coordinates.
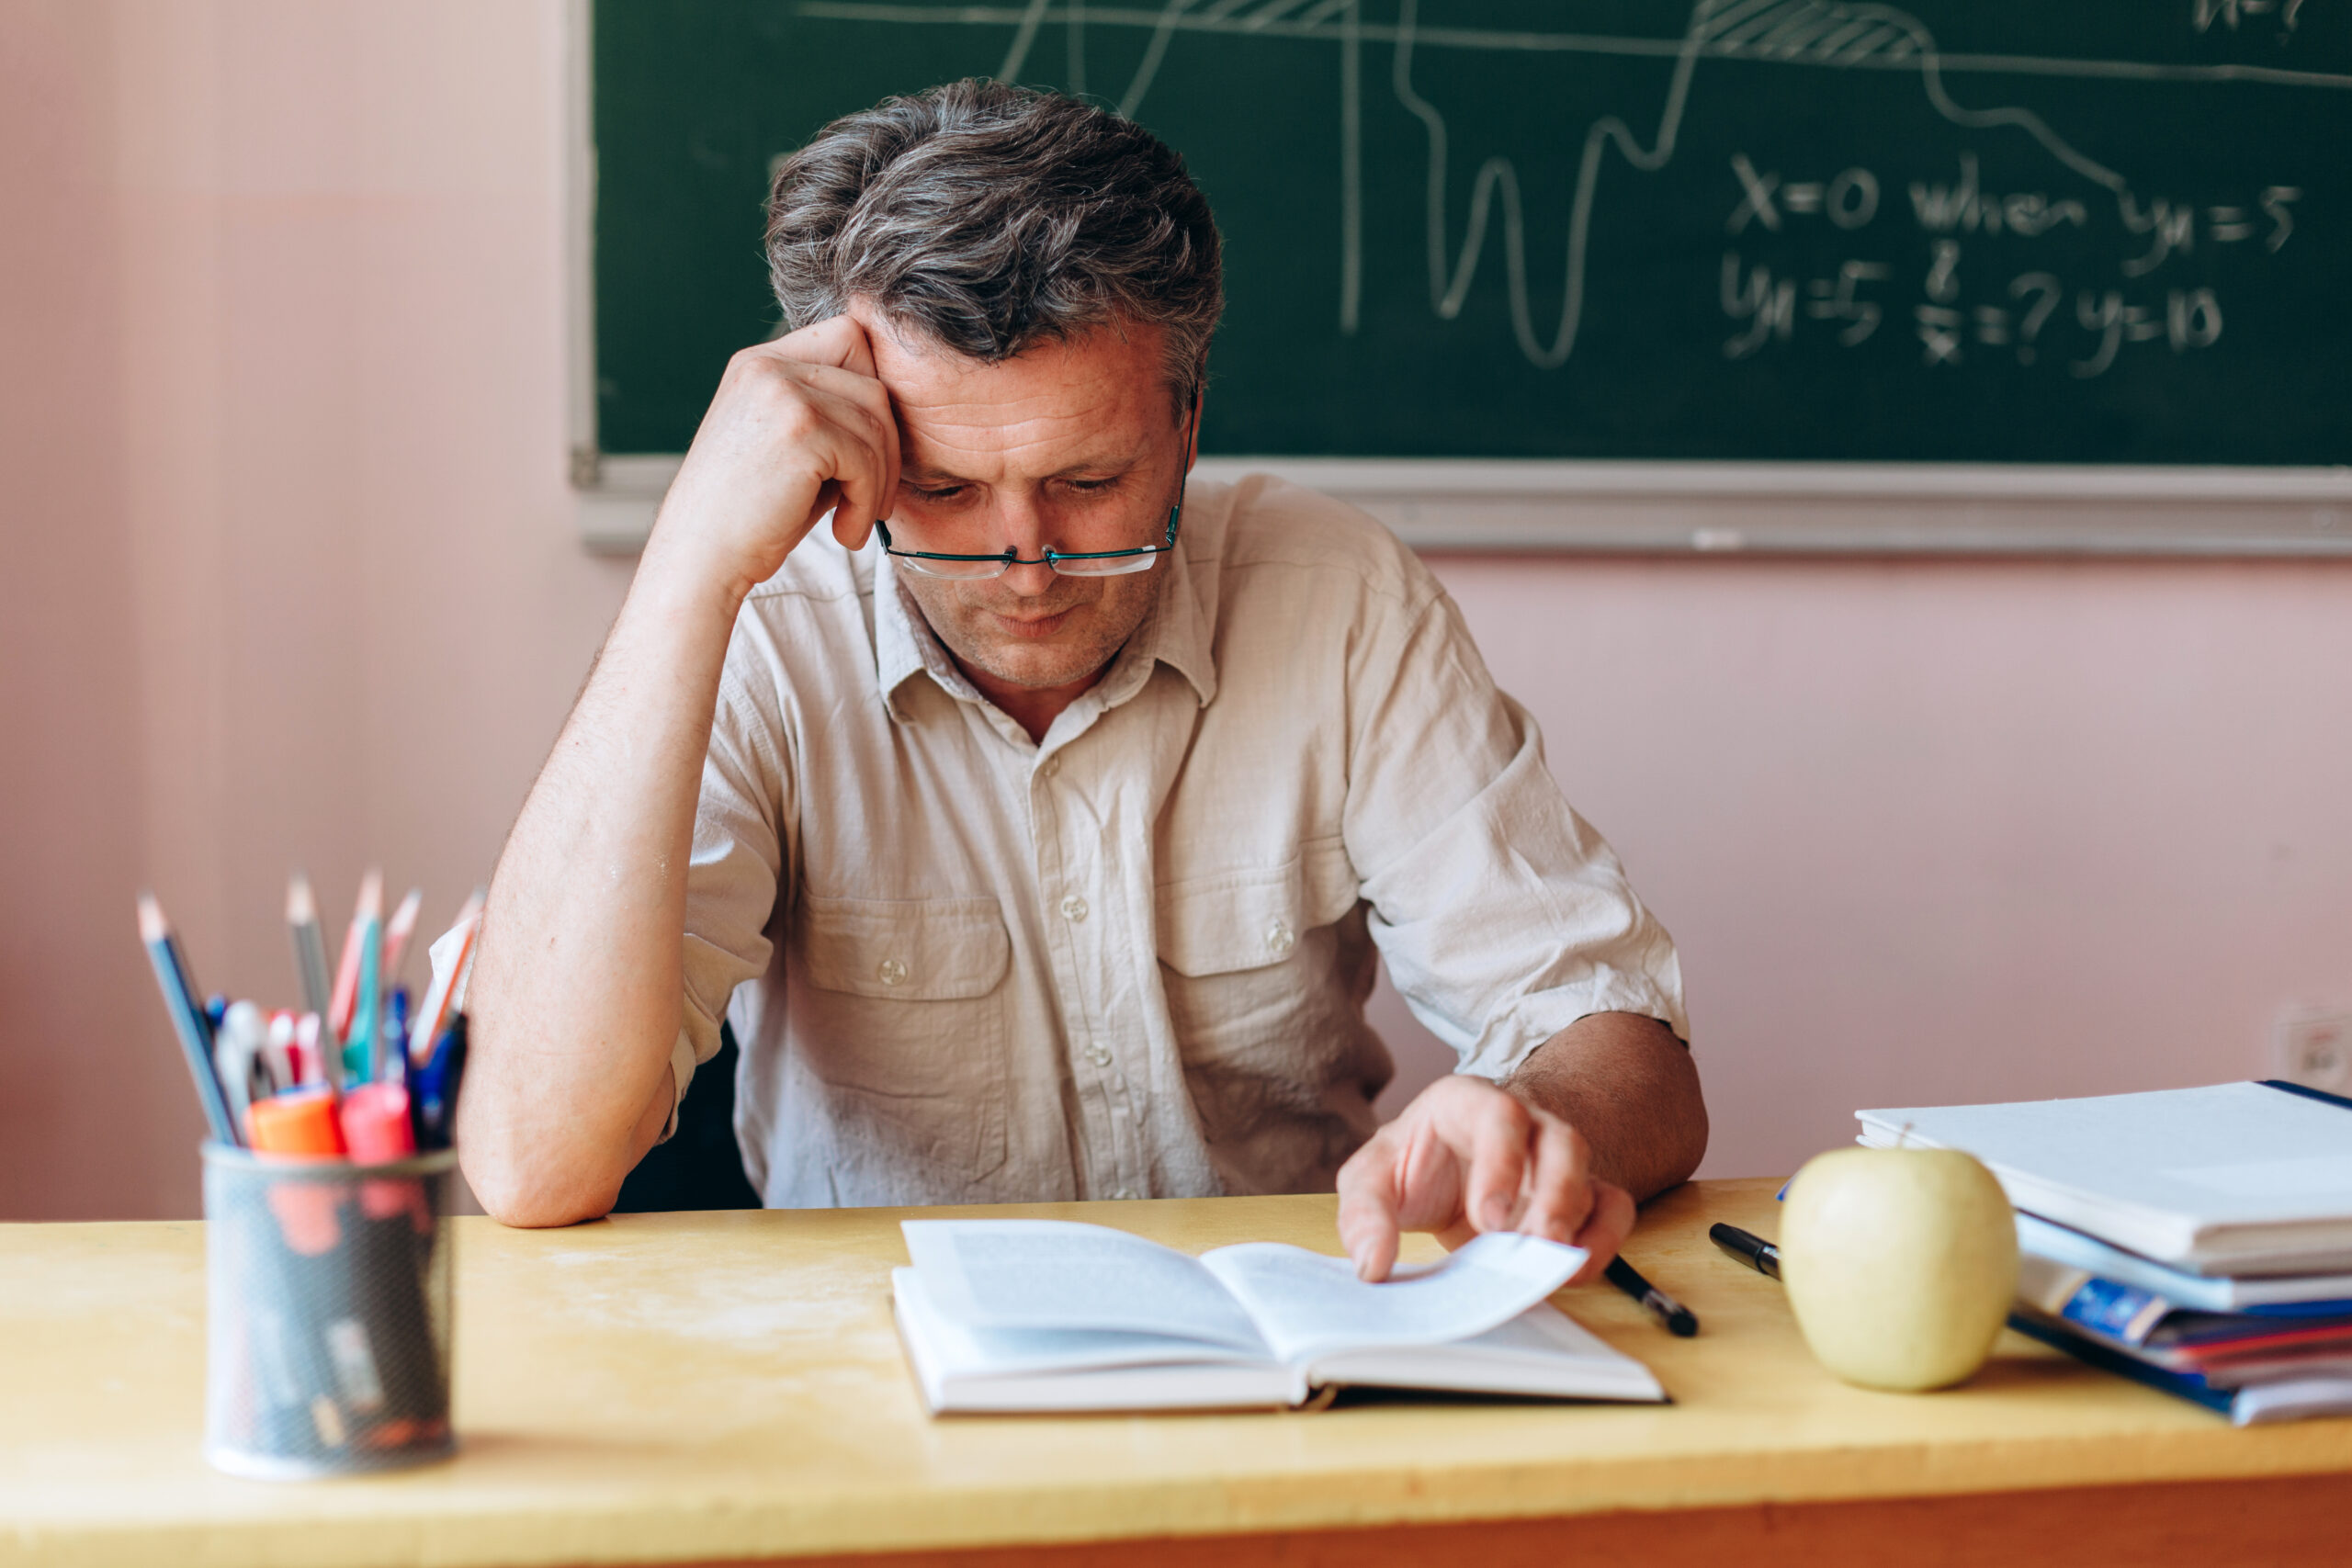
(1819, 33)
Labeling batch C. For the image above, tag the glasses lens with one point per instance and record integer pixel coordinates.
(1104, 566)
(961, 570)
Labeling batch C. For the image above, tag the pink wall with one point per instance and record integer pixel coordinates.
(289, 573)
(1938, 831)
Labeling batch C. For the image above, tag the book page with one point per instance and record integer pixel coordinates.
(1051, 1274)
(1541, 1352)
(964, 1351)
(1307, 1304)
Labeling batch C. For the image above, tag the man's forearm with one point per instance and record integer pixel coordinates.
(1629, 1086)
(576, 999)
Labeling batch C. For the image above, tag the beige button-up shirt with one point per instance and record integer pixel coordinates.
(1130, 960)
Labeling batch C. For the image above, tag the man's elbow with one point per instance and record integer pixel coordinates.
(529, 1201)
(1685, 1144)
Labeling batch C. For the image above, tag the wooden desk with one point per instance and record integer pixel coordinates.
(727, 1387)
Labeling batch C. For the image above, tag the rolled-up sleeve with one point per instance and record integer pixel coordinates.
(1502, 916)
(738, 861)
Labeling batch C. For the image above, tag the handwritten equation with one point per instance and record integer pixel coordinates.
(1951, 308)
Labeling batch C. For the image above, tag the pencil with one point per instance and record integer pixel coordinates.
(396, 935)
(346, 975)
(440, 996)
(311, 965)
(187, 1019)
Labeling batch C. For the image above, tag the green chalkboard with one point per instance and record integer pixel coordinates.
(2101, 231)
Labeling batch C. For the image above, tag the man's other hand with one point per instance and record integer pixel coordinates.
(1467, 1157)
(800, 427)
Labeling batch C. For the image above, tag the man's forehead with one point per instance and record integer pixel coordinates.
(1059, 389)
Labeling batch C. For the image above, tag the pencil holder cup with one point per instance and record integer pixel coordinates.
(327, 1332)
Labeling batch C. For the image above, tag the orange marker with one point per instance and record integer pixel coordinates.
(302, 1122)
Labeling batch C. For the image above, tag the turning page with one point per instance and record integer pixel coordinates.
(1309, 1305)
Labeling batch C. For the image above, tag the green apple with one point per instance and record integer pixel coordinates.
(1901, 1264)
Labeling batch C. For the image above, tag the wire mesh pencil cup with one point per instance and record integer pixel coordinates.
(328, 1324)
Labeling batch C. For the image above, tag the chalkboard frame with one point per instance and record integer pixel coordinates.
(1597, 506)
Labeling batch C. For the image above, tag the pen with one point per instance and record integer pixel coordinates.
(1678, 1319)
(436, 1085)
(240, 1057)
(1751, 1249)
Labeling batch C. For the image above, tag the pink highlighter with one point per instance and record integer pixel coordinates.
(375, 1130)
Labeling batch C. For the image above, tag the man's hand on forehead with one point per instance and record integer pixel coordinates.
(800, 426)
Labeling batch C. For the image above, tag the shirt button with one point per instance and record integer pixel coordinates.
(1073, 907)
(1279, 940)
(1050, 766)
(890, 972)
(1099, 1054)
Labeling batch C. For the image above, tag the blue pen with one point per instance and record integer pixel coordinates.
(393, 1053)
(434, 1097)
(179, 1000)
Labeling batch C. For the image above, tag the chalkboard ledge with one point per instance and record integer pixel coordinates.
(1683, 508)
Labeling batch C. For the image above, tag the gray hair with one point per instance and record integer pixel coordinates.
(991, 217)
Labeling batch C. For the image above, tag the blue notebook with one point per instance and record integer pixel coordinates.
(2287, 1399)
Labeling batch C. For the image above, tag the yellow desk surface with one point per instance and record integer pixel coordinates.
(729, 1387)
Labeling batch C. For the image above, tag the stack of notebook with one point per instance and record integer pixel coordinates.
(2199, 1239)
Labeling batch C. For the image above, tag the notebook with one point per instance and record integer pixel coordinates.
(1048, 1316)
(2283, 1295)
(2238, 1179)
(2287, 1395)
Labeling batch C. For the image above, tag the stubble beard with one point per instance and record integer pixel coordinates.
(1104, 612)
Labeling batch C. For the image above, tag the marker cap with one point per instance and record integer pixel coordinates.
(375, 1124)
(302, 1122)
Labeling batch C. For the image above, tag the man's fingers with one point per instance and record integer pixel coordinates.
(838, 340)
(1560, 1191)
(1368, 1203)
(1604, 1230)
(1499, 1157)
(855, 439)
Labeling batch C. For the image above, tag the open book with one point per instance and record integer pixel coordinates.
(1043, 1314)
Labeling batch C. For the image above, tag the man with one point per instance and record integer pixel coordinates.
(1040, 831)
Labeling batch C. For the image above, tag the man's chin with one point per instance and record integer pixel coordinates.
(1034, 668)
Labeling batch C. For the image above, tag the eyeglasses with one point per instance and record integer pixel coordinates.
(1068, 563)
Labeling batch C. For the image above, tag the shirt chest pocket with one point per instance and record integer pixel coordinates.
(1238, 920)
(900, 1018)
(1258, 965)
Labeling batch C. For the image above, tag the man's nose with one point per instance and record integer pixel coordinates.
(1025, 530)
(1031, 580)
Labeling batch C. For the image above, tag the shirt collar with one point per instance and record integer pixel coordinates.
(1175, 632)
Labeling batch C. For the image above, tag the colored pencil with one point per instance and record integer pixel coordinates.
(441, 997)
(187, 1019)
(346, 975)
(396, 935)
(364, 1052)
